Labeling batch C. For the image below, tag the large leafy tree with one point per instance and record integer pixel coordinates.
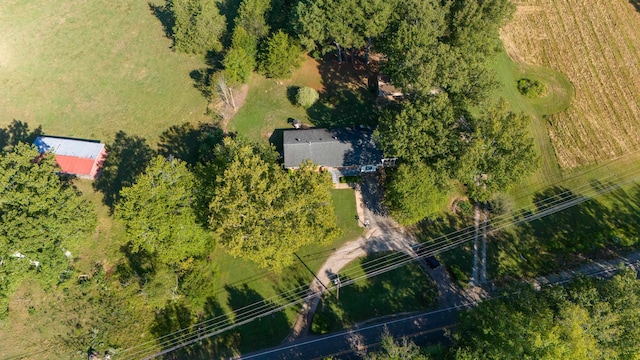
(197, 27)
(280, 56)
(500, 153)
(157, 211)
(588, 319)
(261, 213)
(252, 17)
(423, 130)
(412, 44)
(41, 214)
(415, 192)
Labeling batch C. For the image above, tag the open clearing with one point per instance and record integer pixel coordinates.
(597, 45)
(90, 68)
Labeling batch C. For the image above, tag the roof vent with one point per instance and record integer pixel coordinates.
(297, 139)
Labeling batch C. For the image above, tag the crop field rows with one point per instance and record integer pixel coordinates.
(597, 45)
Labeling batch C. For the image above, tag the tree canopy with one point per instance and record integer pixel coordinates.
(423, 130)
(415, 192)
(264, 214)
(588, 319)
(41, 214)
(158, 213)
(500, 153)
(280, 56)
(197, 27)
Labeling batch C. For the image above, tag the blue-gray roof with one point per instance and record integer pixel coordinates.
(337, 147)
(68, 147)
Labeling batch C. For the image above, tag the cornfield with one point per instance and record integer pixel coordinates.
(597, 45)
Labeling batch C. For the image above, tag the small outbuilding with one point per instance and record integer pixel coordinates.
(81, 158)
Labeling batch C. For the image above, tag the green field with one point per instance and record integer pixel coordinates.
(268, 105)
(91, 68)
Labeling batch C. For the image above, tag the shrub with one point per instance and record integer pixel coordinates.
(306, 97)
(531, 88)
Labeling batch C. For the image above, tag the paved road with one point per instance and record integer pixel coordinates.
(423, 328)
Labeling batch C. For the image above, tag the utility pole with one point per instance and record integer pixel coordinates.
(336, 282)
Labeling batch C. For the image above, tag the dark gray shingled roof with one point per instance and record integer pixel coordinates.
(338, 147)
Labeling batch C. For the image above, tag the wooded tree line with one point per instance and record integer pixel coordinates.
(41, 214)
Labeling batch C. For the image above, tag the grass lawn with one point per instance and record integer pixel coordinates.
(344, 100)
(407, 288)
(268, 104)
(91, 68)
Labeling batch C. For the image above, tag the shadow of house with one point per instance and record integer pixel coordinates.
(341, 151)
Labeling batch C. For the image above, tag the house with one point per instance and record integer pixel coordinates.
(341, 151)
(386, 90)
(81, 158)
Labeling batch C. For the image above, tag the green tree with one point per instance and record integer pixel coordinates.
(238, 65)
(423, 130)
(588, 319)
(415, 192)
(252, 17)
(158, 215)
(501, 152)
(394, 350)
(411, 44)
(41, 215)
(198, 26)
(280, 56)
(323, 24)
(306, 96)
(261, 213)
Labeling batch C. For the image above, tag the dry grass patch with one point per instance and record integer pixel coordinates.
(597, 45)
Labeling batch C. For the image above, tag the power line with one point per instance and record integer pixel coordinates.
(255, 313)
(267, 306)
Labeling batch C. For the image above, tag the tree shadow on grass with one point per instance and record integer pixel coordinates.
(127, 157)
(177, 320)
(18, 132)
(265, 331)
(593, 229)
(189, 143)
(166, 18)
(346, 100)
(139, 265)
(636, 4)
(451, 228)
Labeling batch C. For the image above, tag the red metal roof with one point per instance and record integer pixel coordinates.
(75, 165)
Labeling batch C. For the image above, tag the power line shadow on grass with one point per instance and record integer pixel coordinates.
(590, 230)
(176, 316)
(400, 290)
(262, 332)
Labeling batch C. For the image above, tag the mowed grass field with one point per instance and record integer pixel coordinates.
(91, 68)
(597, 45)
